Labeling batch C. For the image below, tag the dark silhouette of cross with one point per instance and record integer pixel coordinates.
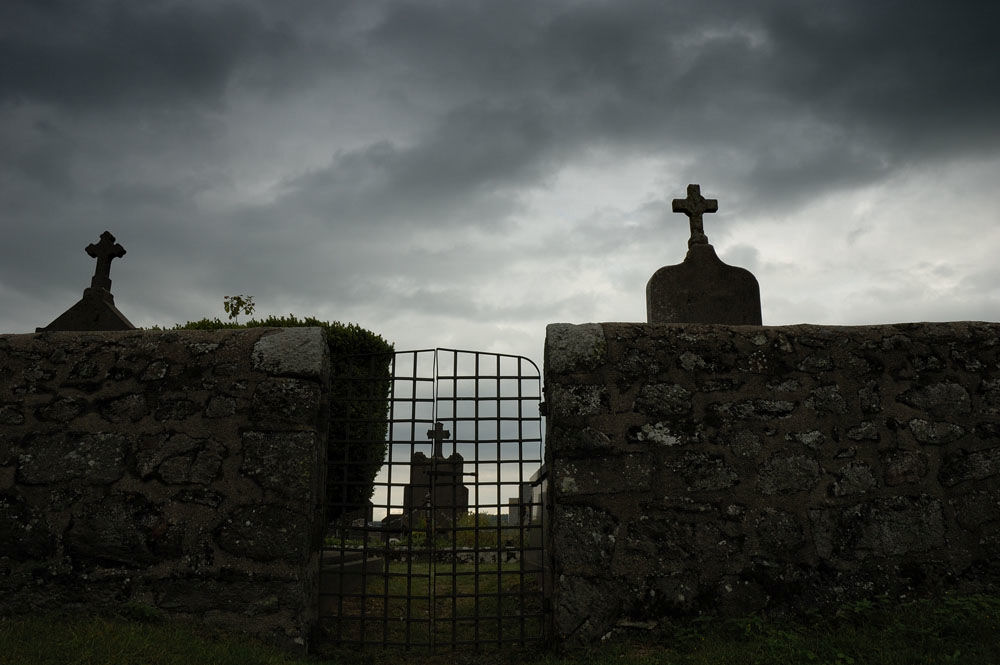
(438, 434)
(104, 251)
(694, 206)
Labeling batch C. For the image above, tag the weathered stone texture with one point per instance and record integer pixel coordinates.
(734, 469)
(178, 469)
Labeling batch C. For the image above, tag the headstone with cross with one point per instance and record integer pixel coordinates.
(438, 434)
(104, 251)
(436, 486)
(96, 310)
(702, 289)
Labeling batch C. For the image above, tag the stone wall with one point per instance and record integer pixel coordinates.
(735, 469)
(180, 470)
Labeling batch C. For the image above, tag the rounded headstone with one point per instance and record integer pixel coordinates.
(703, 289)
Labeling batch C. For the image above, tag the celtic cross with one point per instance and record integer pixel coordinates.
(694, 206)
(104, 251)
(438, 434)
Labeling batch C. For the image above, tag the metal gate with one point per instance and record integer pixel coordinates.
(448, 551)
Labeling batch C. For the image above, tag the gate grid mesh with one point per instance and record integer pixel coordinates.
(448, 553)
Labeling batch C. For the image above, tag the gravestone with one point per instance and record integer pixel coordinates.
(436, 484)
(702, 289)
(96, 310)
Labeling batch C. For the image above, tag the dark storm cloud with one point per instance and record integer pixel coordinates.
(170, 123)
(107, 52)
(466, 169)
(763, 96)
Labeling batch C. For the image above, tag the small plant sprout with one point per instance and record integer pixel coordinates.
(236, 305)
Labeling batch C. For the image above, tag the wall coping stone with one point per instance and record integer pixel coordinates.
(292, 352)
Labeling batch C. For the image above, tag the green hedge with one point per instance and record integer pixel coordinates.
(360, 381)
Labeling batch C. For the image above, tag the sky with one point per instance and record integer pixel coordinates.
(460, 173)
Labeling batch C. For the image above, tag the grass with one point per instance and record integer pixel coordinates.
(487, 604)
(949, 629)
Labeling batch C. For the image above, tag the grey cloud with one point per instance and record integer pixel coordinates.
(91, 54)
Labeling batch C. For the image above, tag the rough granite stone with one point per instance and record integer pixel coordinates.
(663, 399)
(118, 530)
(934, 434)
(93, 459)
(301, 352)
(284, 462)
(265, 533)
(286, 400)
(588, 543)
(942, 400)
(788, 475)
(962, 466)
(577, 401)
(574, 348)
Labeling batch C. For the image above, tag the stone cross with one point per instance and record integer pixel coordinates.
(694, 206)
(438, 434)
(104, 251)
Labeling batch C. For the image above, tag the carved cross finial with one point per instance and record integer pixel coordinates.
(694, 206)
(438, 434)
(104, 251)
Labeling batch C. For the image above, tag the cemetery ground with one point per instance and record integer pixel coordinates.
(948, 629)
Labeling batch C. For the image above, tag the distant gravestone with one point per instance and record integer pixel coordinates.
(96, 310)
(436, 484)
(702, 289)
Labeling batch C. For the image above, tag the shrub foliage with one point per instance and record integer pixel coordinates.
(359, 391)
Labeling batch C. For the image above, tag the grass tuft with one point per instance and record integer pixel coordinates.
(949, 629)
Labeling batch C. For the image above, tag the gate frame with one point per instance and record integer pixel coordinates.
(410, 393)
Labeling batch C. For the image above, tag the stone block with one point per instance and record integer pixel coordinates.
(583, 539)
(283, 462)
(661, 434)
(119, 530)
(286, 401)
(175, 407)
(574, 348)
(234, 592)
(783, 474)
(265, 533)
(963, 467)
(905, 467)
(586, 442)
(779, 533)
(585, 608)
(855, 478)
(154, 450)
(199, 467)
(759, 409)
(704, 473)
(941, 400)
(24, 533)
(62, 410)
(220, 406)
(663, 400)
(93, 459)
(882, 528)
(977, 508)
(300, 352)
(934, 434)
(624, 474)
(577, 401)
(126, 409)
(827, 399)
(11, 414)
